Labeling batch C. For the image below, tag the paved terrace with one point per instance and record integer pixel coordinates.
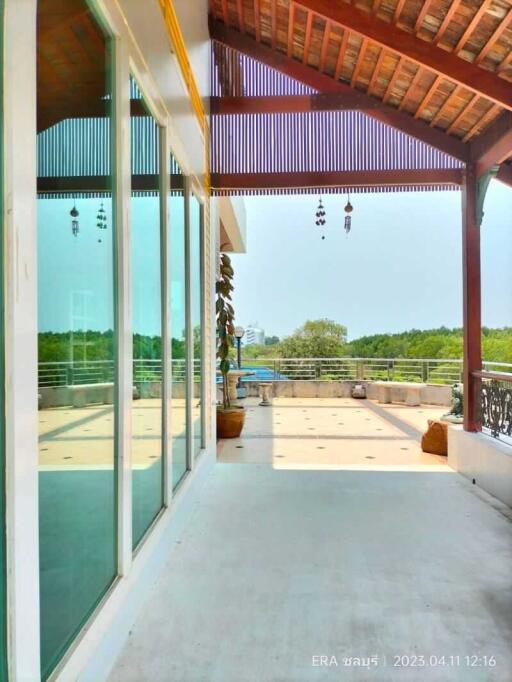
(301, 545)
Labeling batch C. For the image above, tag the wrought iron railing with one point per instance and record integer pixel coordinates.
(496, 404)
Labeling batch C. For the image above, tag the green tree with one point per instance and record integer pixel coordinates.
(316, 339)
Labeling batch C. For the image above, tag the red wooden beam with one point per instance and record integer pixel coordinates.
(441, 62)
(505, 174)
(472, 306)
(325, 83)
(289, 104)
(493, 145)
(389, 178)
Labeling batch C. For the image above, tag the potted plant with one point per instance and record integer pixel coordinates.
(230, 418)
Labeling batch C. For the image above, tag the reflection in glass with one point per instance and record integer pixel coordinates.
(196, 314)
(147, 460)
(77, 486)
(178, 286)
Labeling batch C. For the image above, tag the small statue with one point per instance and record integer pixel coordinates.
(456, 414)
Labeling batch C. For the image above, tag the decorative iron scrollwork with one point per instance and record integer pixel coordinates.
(496, 405)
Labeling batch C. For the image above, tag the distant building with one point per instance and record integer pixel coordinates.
(254, 334)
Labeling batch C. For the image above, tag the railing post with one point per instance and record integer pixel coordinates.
(69, 374)
(424, 371)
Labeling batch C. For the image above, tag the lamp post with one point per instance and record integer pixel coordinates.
(239, 334)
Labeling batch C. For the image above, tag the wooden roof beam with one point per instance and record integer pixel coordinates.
(289, 104)
(324, 83)
(505, 174)
(257, 20)
(371, 178)
(443, 63)
(494, 145)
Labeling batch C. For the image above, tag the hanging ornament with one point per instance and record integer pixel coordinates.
(75, 227)
(320, 216)
(348, 218)
(101, 219)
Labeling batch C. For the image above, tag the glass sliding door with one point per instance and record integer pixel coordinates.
(196, 308)
(178, 303)
(146, 273)
(77, 329)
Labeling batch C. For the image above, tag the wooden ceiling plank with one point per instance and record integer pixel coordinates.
(446, 104)
(376, 5)
(240, 13)
(325, 44)
(472, 25)
(505, 63)
(421, 16)
(439, 61)
(504, 24)
(325, 83)
(460, 116)
(359, 62)
(411, 89)
(257, 20)
(376, 71)
(341, 55)
(481, 123)
(428, 96)
(307, 37)
(291, 27)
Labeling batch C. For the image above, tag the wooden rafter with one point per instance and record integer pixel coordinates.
(462, 114)
(421, 16)
(291, 24)
(428, 96)
(446, 104)
(472, 25)
(392, 81)
(425, 54)
(273, 14)
(398, 11)
(225, 13)
(359, 62)
(481, 123)
(446, 21)
(341, 55)
(257, 20)
(376, 71)
(505, 23)
(411, 89)
(324, 83)
(240, 14)
(307, 37)
(325, 44)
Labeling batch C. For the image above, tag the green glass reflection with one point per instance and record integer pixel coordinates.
(77, 481)
(147, 460)
(196, 316)
(178, 287)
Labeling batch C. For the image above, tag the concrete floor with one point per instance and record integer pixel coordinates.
(277, 567)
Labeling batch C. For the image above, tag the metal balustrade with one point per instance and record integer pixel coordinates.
(432, 371)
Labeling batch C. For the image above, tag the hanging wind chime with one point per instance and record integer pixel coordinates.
(320, 216)
(75, 227)
(348, 218)
(101, 219)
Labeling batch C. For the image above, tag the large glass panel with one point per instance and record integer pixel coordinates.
(77, 394)
(196, 252)
(3, 586)
(178, 298)
(147, 460)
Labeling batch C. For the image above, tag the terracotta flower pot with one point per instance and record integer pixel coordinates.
(230, 422)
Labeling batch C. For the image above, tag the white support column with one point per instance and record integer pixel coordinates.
(124, 308)
(189, 330)
(204, 321)
(166, 315)
(20, 282)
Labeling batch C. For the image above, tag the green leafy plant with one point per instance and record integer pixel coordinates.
(225, 323)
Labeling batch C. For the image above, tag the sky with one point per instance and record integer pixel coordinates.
(399, 268)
